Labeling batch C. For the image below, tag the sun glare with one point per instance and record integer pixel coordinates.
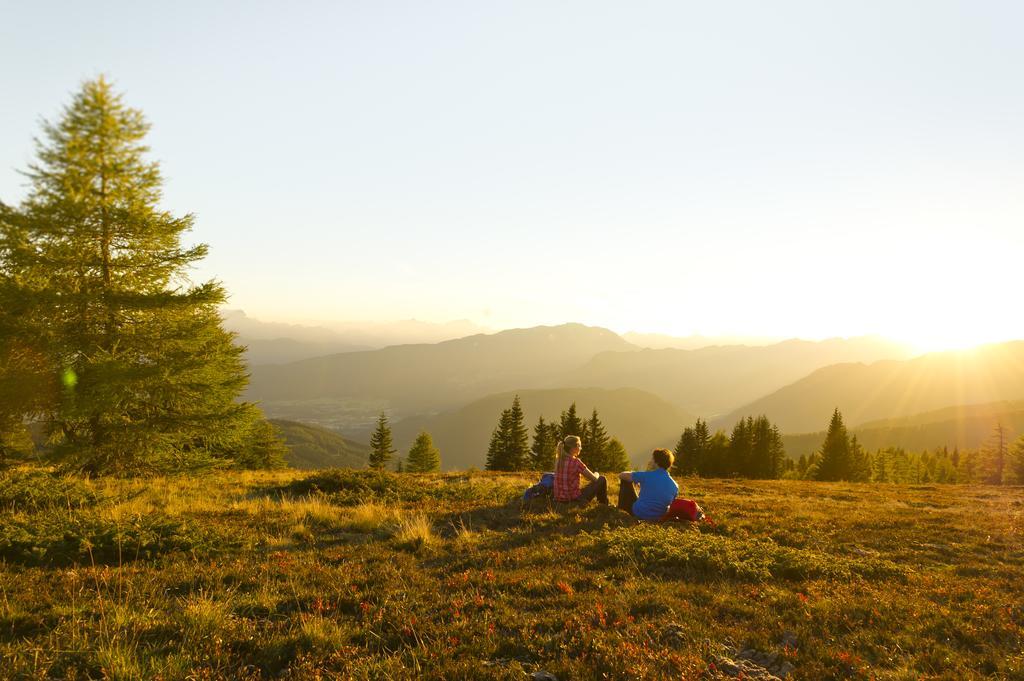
(951, 339)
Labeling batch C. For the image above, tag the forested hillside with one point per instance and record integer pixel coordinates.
(314, 447)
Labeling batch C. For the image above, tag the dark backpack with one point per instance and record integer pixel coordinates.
(542, 488)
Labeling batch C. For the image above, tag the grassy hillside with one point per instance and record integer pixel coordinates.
(343, 575)
(315, 447)
(891, 389)
(713, 380)
(420, 378)
(640, 420)
(966, 427)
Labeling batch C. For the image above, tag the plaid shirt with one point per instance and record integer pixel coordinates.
(567, 479)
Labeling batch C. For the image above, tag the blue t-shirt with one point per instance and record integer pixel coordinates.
(657, 490)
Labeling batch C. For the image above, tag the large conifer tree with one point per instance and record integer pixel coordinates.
(150, 378)
(28, 386)
(509, 446)
(570, 423)
(381, 446)
(685, 463)
(497, 447)
(741, 444)
(545, 440)
(595, 444)
(835, 461)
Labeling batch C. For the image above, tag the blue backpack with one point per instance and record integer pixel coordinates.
(542, 488)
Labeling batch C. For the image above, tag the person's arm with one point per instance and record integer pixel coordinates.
(587, 473)
(626, 476)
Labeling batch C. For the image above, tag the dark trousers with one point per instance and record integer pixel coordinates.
(627, 495)
(598, 488)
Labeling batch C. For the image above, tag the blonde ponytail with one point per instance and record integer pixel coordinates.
(570, 443)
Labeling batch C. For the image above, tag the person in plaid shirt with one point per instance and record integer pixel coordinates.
(569, 468)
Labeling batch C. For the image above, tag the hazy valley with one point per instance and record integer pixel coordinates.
(455, 389)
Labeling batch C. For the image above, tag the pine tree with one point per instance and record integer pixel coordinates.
(741, 444)
(381, 446)
(761, 464)
(995, 455)
(616, 459)
(718, 454)
(150, 378)
(423, 457)
(570, 423)
(1017, 460)
(860, 462)
(594, 454)
(813, 463)
(900, 462)
(28, 387)
(835, 451)
(519, 437)
(497, 447)
(509, 447)
(967, 471)
(686, 447)
(542, 452)
(879, 466)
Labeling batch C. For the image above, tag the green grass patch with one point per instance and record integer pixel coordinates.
(32, 490)
(86, 537)
(666, 551)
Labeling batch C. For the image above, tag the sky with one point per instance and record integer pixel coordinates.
(746, 168)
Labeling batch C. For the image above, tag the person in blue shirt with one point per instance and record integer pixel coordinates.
(657, 488)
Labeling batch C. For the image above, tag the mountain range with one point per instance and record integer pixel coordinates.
(456, 389)
(890, 389)
(963, 427)
(712, 380)
(420, 378)
(279, 343)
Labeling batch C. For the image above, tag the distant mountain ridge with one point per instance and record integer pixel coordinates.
(279, 343)
(891, 389)
(713, 380)
(423, 378)
(661, 341)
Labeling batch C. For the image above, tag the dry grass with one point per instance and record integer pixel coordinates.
(415, 531)
(254, 579)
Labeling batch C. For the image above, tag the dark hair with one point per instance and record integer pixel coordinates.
(664, 458)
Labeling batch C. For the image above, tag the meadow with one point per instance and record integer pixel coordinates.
(349, 574)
